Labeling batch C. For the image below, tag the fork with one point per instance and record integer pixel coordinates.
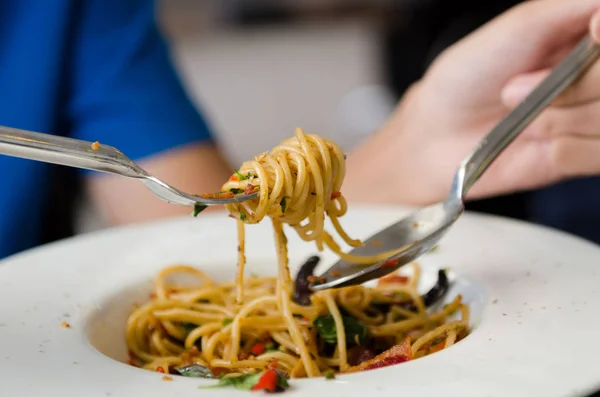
(97, 157)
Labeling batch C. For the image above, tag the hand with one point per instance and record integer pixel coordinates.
(467, 90)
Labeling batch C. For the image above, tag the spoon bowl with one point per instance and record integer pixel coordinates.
(417, 234)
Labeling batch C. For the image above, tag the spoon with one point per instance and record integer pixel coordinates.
(421, 231)
(94, 156)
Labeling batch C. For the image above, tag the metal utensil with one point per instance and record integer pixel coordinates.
(420, 232)
(93, 156)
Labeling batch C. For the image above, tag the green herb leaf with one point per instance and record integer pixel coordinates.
(236, 190)
(329, 374)
(242, 216)
(227, 321)
(282, 380)
(433, 249)
(240, 382)
(198, 208)
(270, 344)
(196, 371)
(239, 175)
(188, 327)
(356, 332)
(283, 205)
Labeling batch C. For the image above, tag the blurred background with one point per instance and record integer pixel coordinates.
(260, 68)
(333, 67)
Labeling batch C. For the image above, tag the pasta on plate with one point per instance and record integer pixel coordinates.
(257, 331)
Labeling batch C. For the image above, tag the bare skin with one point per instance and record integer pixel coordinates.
(195, 168)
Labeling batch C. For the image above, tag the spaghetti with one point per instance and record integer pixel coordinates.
(299, 183)
(250, 325)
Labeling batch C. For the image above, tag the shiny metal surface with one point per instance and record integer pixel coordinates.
(421, 231)
(81, 154)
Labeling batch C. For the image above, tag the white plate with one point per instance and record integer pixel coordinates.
(534, 292)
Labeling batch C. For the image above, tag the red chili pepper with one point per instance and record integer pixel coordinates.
(160, 369)
(335, 195)
(258, 349)
(394, 279)
(249, 189)
(218, 372)
(390, 263)
(268, 381)
(234, 178)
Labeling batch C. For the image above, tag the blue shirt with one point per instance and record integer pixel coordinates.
(96, 70)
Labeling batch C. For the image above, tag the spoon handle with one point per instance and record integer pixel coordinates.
(512, 125)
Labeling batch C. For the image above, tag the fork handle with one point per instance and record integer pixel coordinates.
(585, 53)
(66, 151)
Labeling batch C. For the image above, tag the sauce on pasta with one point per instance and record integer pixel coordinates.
(252, 325)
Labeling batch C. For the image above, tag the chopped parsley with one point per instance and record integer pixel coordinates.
(433, 249)
(188, 327)
(198, 208)
(283, 205)
(356, 332)
(329, 374)
(240, 382)
(239, 175)
(271, 381)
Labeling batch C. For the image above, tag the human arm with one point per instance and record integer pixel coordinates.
(122, 200)
(125, 93)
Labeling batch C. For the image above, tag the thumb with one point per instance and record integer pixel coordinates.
(595, 26)
(517, 89)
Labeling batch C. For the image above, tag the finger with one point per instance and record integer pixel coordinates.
(522, 166)
(581, 120)
(595, 26)
(534, 164)
(585, 89)
(574, 156)
(547, 24)
(546, 31)
(517, 89)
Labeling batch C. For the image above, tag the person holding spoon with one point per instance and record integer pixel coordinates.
(466, 91)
